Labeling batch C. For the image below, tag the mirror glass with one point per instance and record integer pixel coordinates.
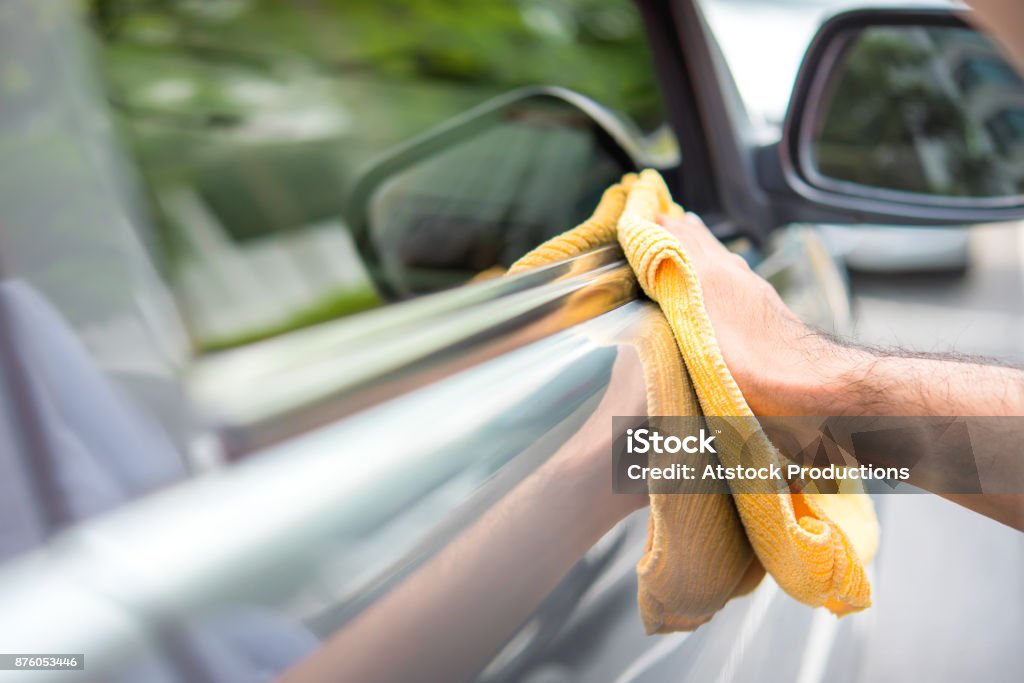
(925, 110)
(484, 196)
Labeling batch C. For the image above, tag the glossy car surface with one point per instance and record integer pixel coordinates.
(188, 499)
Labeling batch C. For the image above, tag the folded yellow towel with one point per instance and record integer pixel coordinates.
(815, 546)
(697, 555)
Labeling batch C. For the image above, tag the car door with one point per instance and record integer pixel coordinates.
(218, 518)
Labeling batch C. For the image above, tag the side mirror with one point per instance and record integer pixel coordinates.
(907, 116)
(484, 188)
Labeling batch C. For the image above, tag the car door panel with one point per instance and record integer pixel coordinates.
(313, 472)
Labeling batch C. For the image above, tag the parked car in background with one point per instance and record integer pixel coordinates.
(250, 381)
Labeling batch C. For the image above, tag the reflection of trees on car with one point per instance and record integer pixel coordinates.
(251, 120)
(894, 121)
(596, 47)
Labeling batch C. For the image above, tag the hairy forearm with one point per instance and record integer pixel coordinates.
(983, 454)
(852, 380)
(784, 368)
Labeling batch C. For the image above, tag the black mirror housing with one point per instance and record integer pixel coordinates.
(896, 117)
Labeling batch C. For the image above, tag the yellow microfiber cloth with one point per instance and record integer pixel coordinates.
(683, 578)
(814, 545)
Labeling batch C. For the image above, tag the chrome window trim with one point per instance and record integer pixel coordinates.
(273, 390)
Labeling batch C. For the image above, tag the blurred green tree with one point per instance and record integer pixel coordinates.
(596, 47)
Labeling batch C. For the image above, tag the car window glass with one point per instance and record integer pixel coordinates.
(251, 121)
(92, 411)
(480, 202)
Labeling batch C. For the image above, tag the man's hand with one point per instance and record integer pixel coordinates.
(785, 368)
(782, 367)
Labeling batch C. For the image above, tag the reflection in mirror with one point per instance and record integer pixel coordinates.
(488, 197)
(933, 111)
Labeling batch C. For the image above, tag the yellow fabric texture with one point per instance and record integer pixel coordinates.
(685, 578)
(814, 545)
